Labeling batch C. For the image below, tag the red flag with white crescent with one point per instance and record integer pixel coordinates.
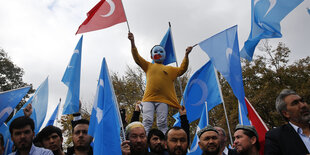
(104, 14)
(258, 123)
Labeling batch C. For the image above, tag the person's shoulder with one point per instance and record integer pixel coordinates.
(70, 150)
(278, 131)
(279, 128)
(152, 153)
(232, 151)
(169, 67)
(42, 151)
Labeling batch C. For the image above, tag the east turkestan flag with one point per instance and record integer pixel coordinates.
(266, 16)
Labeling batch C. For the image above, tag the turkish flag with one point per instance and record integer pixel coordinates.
(106, 13)
(258, 123)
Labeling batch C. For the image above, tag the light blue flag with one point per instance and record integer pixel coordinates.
(202, 87)
(71, 79)
(9, 100)
(243, 119)
(266, 16)
(203, 122)
(177, 118)
(167, 44)
(223, 50)
(7, 138)
(104, 121)
(39, 103)
(54, 116)
(8, 146)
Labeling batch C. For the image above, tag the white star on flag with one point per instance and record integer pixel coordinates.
(99, 114)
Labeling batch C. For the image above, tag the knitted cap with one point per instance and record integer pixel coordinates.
(205, 129)
(133, 125)
(248, 128)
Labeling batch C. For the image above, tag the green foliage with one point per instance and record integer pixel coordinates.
(264, 78)
(11, 77)
(10, 74)
(129, 89)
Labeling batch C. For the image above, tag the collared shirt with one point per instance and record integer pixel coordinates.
(225, 151)
(36, 151)
(304, 138)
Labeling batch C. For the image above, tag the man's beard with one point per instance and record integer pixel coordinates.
(246, 152)
(175, 150)
(136, 150)
(157, 149)
(303, 119)
(212, 153)
(82, 147)
(25, 146)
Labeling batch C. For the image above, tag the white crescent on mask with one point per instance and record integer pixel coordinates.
(112, 8)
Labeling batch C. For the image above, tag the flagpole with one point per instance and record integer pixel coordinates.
(57, 111)
(257, 114)
(6, 147)
(126, 17)
(220, 89)
(207, 114)
(118, 113)
(240, 116)
(176, 62)
(13, 90)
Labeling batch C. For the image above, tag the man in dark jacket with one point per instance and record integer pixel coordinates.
(293, 137)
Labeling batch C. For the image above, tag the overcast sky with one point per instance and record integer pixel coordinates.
(39, 35)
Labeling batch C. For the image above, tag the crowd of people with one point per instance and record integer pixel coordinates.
(290, 138)
(293, 138)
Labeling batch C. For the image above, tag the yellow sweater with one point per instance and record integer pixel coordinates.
(160, 80)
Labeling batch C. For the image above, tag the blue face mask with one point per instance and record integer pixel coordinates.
(158, 54)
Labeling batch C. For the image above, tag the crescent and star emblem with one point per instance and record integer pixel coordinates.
(112, 8)
(204, 89)
(7, 110)
(272, 4)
